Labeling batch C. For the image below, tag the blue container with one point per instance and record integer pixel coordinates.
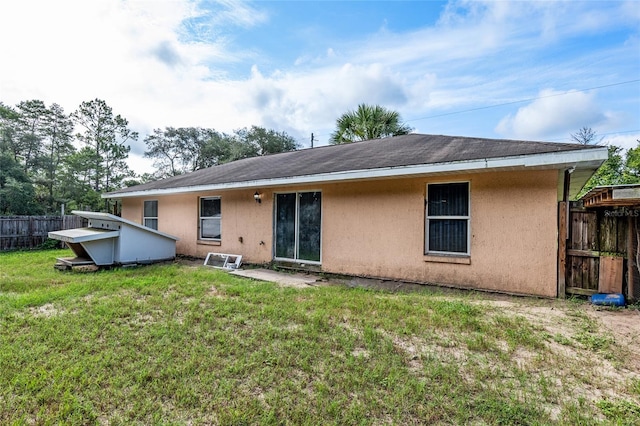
(613, 299)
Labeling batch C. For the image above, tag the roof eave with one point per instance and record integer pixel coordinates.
(587, 159)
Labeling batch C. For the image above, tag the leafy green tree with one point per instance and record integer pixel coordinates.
(105, 134)
(17, 196)
(9, 123)
(368, 122)
(260, 141)
(30, 133)
(139, 179)
(169, 151)
(58, 134)
(179, 150)
(37, 138)
(182, 150)
(76, 178)
(616, 170)
(220, 148)
(632, 165)
(610, 173)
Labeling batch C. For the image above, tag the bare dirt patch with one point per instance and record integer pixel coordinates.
(624, 326)
(45, 311)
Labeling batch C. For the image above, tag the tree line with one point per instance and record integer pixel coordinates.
(42, 166)
(620, 168)
(49, 158)
(182, 150)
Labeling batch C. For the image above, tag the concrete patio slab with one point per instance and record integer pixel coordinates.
(282, 278)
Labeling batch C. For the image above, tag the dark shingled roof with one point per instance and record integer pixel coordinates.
(398, 151)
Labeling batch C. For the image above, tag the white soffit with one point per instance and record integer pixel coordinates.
(587, 158)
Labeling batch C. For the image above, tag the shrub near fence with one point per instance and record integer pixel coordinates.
(27, 232)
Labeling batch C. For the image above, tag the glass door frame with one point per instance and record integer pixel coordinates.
(296, 226)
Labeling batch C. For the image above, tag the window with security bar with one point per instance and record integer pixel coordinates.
(447, 218)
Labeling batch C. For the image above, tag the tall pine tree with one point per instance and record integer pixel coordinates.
(104, 136)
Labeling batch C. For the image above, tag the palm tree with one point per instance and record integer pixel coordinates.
(368, 122)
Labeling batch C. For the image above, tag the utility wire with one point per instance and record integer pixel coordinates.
(521, 101)
(599, 135)
(524, 100)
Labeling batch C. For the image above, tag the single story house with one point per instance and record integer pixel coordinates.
(457, 211)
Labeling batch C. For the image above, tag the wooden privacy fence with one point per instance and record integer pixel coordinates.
(601, 250)
(26, 232)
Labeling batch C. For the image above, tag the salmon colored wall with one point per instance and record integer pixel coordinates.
(241, 217)
(376, 229)
(513, 232)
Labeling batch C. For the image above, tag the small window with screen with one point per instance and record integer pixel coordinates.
(210, 218)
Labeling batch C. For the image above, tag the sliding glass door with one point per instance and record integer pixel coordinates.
(286, 225)
(298, 218)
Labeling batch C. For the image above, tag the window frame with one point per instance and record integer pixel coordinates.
(428, 218)
(145, 218)
(201, 218)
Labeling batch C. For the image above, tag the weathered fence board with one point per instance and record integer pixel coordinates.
(611, 273)
(596, 234)
(633, 272)
(582, 260)
(25, 232)
(613, 232)
(583, 230)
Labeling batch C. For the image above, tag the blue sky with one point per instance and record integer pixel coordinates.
(523, 70)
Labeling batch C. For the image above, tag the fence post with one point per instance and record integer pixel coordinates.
(31, 236)
(562, 248)
(631, 256)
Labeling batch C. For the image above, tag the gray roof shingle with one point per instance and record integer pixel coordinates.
(407, 150)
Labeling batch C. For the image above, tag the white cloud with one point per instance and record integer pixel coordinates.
(140, 164)
(630, 10)
(166, 63)
(551, 115)
(312, 101)
(549, 19)
(239, 13)
(625, 141)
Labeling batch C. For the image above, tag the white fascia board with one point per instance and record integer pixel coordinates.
(588, 157)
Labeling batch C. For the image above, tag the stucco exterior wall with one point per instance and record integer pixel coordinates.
(513, 232)
(376, 229)
(246, 225)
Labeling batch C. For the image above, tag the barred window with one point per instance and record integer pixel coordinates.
(447, 218)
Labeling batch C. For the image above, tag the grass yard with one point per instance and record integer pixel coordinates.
(179, 344)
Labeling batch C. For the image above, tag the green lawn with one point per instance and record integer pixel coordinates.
(178, 344)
